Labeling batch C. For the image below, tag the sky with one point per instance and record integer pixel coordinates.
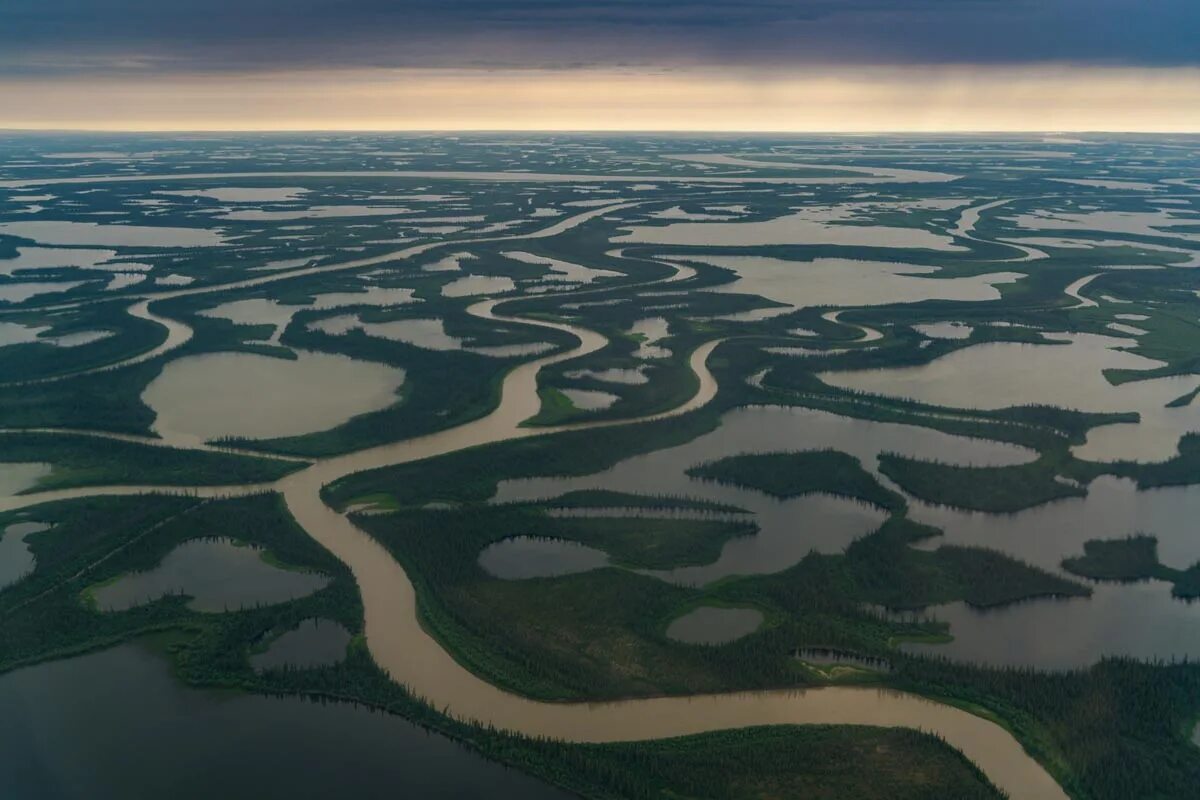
(779, 65)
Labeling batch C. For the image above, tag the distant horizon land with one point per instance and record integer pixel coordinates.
(622, 131)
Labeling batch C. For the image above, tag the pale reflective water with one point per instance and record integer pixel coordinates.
(560, 270)
(206, 397)
(803, 227)
(632, 377)
(789, 529)
(16, 477)
(590, 399)
(478, 284)
(93, 233)
(945, 330)
(1069, 375)
(846, 282)
(20, 292)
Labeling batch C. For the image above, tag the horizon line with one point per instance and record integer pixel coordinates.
(630, 131)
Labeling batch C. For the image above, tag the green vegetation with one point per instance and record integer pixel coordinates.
(556, 408)
(1117, 730)
(992, 489)
(128, 336)
(600, 634)
(817, 762)
(648, 543)
(1182, 470)
(96, 540)
(471, 475)
(1133, 558)
(786, 475)
(92, 461)
(1184, 400)
(593, 498)
(44, 617)
(887, 571)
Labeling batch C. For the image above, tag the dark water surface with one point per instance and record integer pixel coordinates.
(114, 724)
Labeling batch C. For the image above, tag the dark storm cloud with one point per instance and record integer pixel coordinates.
(86, 36)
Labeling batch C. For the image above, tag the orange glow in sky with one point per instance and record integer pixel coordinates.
(1028, 98)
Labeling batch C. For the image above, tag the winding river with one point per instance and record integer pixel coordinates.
(415, 659)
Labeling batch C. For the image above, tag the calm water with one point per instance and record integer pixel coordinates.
(217, 574)
(478, 284)
(818, 225)
(427, 333)
(115, 725)
(846, 282)
(1069, 375)
(16, 561)
(945, 330)
(205, 397)
(16, 477)
(537, 557)
(402, 647)
(1140, 620)
(93, 233)
(651, 329)
(562, 270)
(20, 292)
(59, 257)
(314, 642)
(1113, 508)
(712, 625)
(630, 377)
(788, 529)
(590, 399)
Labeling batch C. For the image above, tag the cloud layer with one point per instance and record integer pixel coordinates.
(86, 37)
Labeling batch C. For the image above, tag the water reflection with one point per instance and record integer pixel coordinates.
(206, 397)
(789, 529)
(1141, 620)
(16, 559)
(847, 282)
(523, 557)
(1069, 375)
(217, 574)
(16, 477)
(713, 625)
(114, 725)
(313, 643)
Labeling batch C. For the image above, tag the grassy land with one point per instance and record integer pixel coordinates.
(1133, 558)
(89, 461)
(992, 489)
(786, 475)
